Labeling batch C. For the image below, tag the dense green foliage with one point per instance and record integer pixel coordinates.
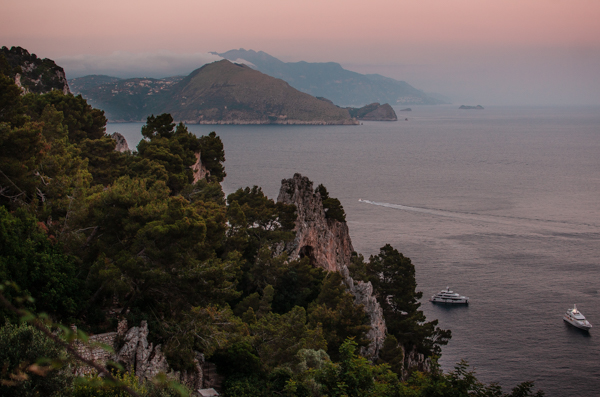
(38, 75)
(23, 375)
(38, 266)
(94, 386)
(92, 235)
(334, 310)
(393, 278)
(332, 206)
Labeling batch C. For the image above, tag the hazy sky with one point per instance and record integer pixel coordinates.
(475, 51)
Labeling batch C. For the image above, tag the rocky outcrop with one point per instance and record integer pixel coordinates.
(466, 107)
(381, 113)
(199, 170)
(122, 145)
(33, 74)
(137, 355)
(363, 295)
(325, 241)
(415, 361)
(374, 112)
(328, 245)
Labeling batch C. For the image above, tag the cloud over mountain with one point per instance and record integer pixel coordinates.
(128, 64)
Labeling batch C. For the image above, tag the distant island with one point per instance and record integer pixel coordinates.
(478, 107)
(221, 92)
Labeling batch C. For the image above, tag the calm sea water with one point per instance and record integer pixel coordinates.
(502, 205)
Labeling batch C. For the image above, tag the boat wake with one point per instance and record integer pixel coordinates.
(508, 220)
(417, 209)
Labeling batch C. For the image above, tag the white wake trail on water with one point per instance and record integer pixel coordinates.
(417, 209)
(502, 219)
(451, 214)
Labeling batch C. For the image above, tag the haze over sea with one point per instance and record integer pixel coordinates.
(502, 205)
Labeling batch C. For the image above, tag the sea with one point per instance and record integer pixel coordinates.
(501, 205)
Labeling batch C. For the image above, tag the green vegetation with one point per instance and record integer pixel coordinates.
(89, 235)
(332, 206)
(393, 278)
(21, 347)
(217, 92)
(359, 113)
(36, 75)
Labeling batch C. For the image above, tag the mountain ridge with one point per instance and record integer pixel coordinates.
(221, 92)
(332, 81)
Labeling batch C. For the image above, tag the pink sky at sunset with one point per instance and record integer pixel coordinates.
(499, 51)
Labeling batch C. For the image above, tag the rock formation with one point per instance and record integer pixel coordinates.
(137, 355)
(467, 107)
(327, 243)
(381, 113)
(374, 112)
(33, 74)
(415, 361)
(199, 170)
(122, 145)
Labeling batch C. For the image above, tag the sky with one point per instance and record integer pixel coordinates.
(495, 52)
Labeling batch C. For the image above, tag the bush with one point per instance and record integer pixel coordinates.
(94, 386)
(21, 346)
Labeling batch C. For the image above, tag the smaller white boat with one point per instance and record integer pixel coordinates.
(576, 319)
(447, 296)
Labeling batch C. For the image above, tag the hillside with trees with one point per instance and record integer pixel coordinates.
(217, 93)
(90, 236)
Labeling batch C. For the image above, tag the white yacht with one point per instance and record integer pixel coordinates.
(447, 296)
(575, 318)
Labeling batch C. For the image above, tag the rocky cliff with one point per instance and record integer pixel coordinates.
(199, 169)
(328, 245)
(374, 112)
(33, 74)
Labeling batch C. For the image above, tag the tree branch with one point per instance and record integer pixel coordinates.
(69, 348)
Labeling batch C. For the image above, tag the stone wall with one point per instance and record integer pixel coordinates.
(136, 354)
(92, 350)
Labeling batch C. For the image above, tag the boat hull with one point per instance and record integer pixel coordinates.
(578, 324)
(450, 301)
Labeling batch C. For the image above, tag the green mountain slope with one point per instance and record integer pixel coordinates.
(125, 99)
(224, 92)
(219, 92)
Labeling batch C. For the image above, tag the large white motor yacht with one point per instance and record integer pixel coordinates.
(575, 318)
(447, 296)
